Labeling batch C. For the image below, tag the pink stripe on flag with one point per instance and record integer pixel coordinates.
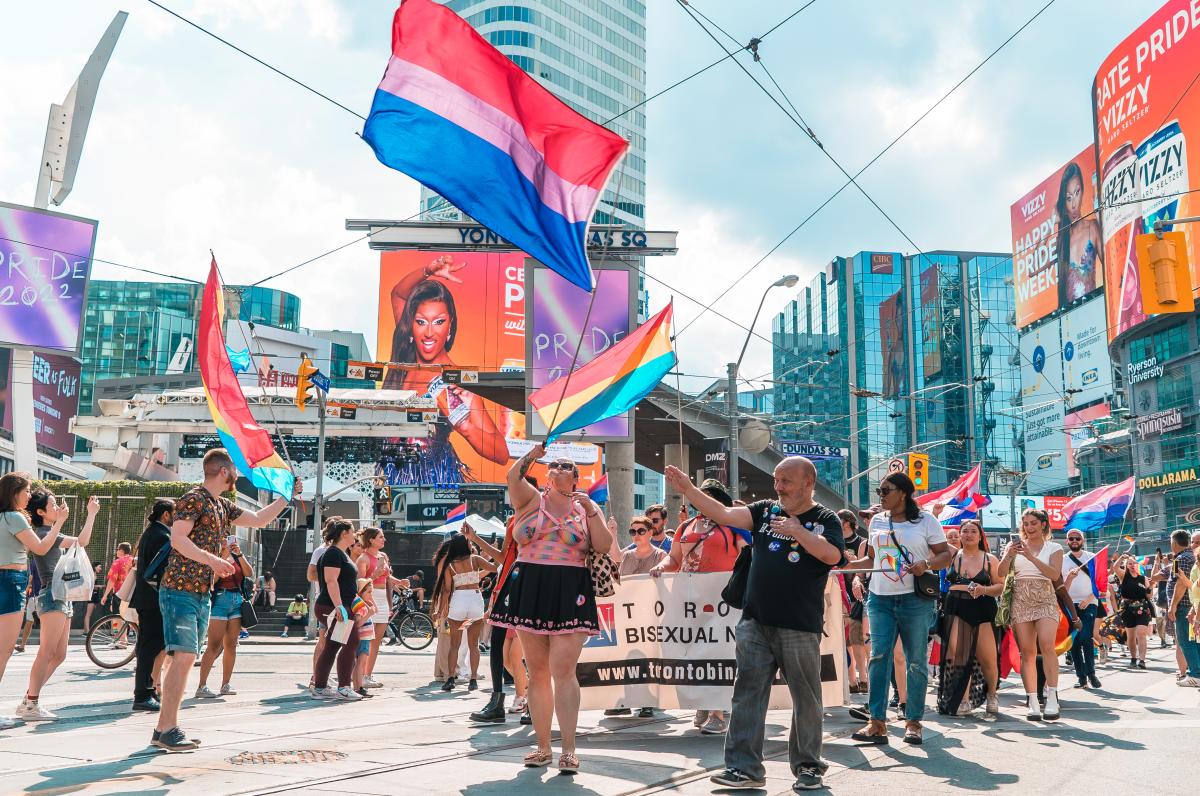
(450, 101)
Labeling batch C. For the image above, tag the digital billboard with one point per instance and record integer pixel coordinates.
(1043, 408)
(893, 334)
(997, 515)
(55, 398)
(556, 330)
(1057, 246)
(1146, 123)
(931, 322)
(45, 264)
(1087, 367)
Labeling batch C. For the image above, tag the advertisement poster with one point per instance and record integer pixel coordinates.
(1057, 247)
(1077, 429)
(1086, 364)
(998, 520)
(669, 642)
(556, 330)
(1147, 123)
(1042, 406)
(931, 322)
(45, 264)
(55, 398)
(892, 335)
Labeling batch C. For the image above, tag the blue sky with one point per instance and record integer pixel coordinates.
(193, 147)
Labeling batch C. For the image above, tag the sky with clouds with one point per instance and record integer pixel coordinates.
(193, 146)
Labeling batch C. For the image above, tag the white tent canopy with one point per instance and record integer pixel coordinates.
(481, 525)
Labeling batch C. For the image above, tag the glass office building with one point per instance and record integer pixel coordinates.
(883, 352)
(138, 328)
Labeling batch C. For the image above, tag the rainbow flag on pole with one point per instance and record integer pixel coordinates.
(248, 444)
(455, 114)
(611, 383)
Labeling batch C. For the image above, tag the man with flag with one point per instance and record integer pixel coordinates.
(1080, 569)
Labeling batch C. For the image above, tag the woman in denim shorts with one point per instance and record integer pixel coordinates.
(16, 537)
(49, 514)
(225, 621)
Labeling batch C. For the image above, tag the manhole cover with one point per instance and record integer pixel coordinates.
(286, 757)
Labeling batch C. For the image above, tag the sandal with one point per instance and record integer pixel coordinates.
(874, 733)
(538, 758)
(912, 733)
(568, 763)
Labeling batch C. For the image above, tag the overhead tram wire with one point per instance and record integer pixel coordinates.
(873, 160)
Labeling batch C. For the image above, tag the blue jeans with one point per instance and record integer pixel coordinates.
(1083, 649)
(13, 583)
(909, 618)
(185, 619)
(1190, 649)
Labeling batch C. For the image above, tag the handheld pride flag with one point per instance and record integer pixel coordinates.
(455, 114)
(611, 383)
(248, 444)
(598, 491)
(1091, 510)
(1097, 568)
(457, 513)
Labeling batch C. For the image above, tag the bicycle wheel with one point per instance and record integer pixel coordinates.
(416, 631)
(110, 641)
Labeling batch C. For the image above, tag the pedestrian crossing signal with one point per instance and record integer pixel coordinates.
(918, 470)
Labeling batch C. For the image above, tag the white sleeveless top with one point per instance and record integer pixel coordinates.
(1026, 568)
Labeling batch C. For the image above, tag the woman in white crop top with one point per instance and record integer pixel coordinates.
(1037, 564)
(457, 598)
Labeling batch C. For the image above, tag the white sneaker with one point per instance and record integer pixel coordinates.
(993, 704)
(1035, 710)
(1189, 682)
(322, 693)
(518, 706)
(1051, 711)
(371, 682)
(204, 692)
(348, 694)
(7, 724)
(227, 690)
(964, 710)
(32, 711)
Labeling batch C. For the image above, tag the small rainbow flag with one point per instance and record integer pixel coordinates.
(611, 383)
(457, 513)
(248, 444)
(598, 491)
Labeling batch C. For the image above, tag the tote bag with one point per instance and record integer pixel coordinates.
(73, 577)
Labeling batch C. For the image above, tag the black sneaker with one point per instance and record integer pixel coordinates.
(645, 713)
(862, 714)
(1094, 680)
(173, 741)
(808, 778)
(1141, 664)
(618, 712)
(734, 779)
(1083, 683)
(526, 719)
(364, 693)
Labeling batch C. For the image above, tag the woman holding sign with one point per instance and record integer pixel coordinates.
(548, 596)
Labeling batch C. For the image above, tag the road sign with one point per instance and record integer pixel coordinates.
(811, 450)
(897, 465)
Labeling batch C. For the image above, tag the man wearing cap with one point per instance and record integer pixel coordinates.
(1079, 587)
(297, 615)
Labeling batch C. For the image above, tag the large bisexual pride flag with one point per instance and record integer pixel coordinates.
(248, 444)
(1091, 510)
(455, 114)
(611, 383)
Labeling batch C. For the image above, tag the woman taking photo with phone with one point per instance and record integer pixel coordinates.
(548, 597)
(49, 515)
(1037, 562)
(225, 623)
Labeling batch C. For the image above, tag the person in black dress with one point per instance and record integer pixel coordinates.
(1136, 612)
(968, 672)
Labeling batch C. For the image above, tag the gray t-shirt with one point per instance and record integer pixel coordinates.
(632, 565)
(11, 549)
(47, 563)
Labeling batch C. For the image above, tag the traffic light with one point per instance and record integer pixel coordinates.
(1164, 274)
(918, 470)
(304, 380)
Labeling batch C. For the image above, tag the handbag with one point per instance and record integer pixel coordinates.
(734, 593)
(604, 574)
(1004, 604)
(927, 584)
(73, 576)
(249, 616)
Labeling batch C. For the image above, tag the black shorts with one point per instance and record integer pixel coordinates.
(1136, 614)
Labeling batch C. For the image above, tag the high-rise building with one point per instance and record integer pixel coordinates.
(149, 328)
(884, 353)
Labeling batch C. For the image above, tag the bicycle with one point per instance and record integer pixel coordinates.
(111, 641)
(412, 626)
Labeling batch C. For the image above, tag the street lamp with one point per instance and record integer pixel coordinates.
(791, 280)
(1016, 478)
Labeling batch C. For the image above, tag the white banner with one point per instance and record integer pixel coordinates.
(669, 642)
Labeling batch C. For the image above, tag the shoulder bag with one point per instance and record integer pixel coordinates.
(927, 584)
(734, 593)
(1004, 603)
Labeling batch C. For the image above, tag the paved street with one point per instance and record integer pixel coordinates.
(413, 738)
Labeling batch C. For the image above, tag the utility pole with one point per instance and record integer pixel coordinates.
(317, 497)
(731, 406)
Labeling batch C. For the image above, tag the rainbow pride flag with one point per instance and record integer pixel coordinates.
(248, 444)
(455, 114)
(611, 383)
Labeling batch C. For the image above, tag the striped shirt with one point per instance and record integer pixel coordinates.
(543, 538)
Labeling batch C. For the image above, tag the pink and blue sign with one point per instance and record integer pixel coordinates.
(45, 264)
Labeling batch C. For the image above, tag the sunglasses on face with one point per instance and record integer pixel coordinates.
(884, 491)
(561, 466)
(638, 531)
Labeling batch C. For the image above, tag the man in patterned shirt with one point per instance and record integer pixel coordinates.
(203, 518)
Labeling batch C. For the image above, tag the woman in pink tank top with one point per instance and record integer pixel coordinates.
(548, 598)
